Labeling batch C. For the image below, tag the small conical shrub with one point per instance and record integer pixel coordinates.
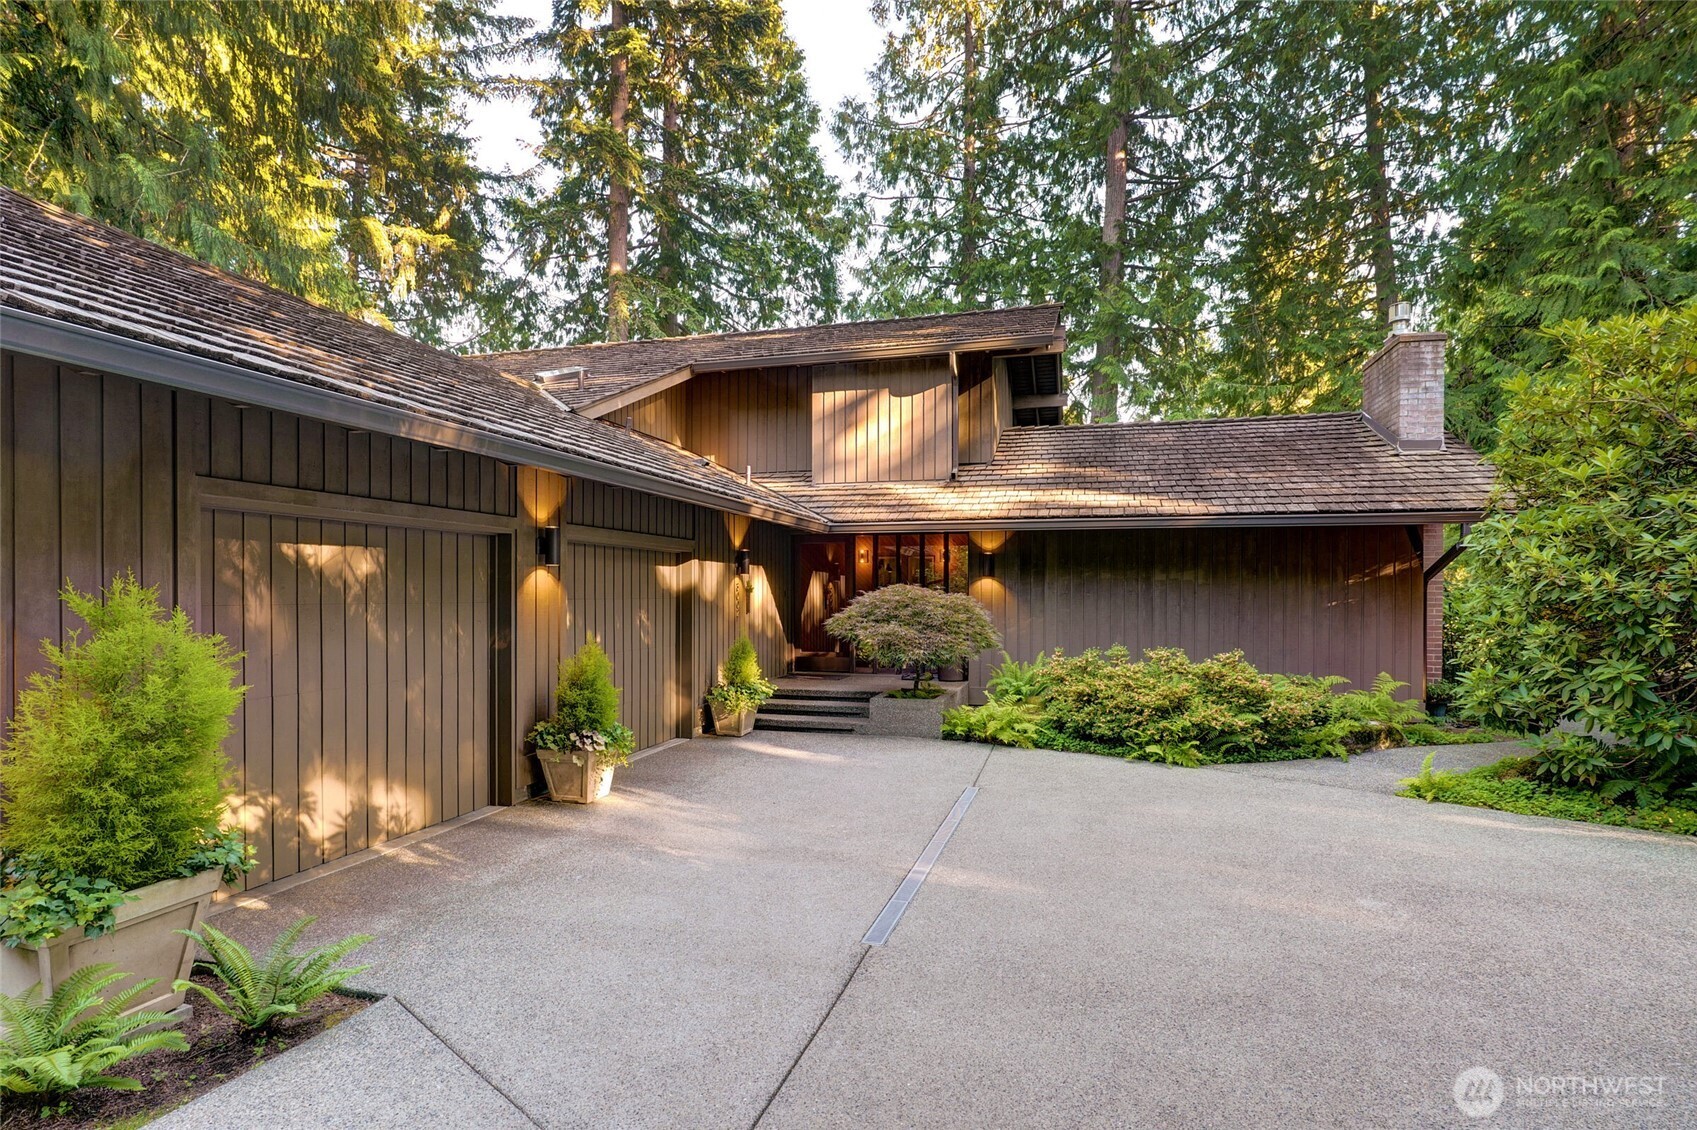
(585, 699)
(742, 664)
(114, 768)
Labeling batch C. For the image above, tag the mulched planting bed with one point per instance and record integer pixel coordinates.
(219, 1050)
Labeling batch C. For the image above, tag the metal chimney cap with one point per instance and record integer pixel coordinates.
(1402, 317)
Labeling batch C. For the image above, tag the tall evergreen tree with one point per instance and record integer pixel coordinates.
(311, 144)
(1576, 193)
(680, 190)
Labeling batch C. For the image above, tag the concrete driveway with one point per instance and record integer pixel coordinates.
(1101, 943)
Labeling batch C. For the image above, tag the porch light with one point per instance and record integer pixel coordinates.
(989, 564)
(548, 546)
(742, 562)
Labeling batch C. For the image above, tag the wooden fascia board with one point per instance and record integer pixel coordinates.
(103, 351)
(625, 539)
(596, 409)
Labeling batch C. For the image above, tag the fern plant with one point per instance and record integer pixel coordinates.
(259, 993)
(72, 1038)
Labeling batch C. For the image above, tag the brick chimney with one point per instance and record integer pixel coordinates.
(1402, 387)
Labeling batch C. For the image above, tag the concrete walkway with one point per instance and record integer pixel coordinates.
(1101, 943)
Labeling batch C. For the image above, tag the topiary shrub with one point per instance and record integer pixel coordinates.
(586, 710)
(114, 769)
(741, 686)
(912, 628)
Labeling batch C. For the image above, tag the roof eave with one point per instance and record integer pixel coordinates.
(74, 344)
(1237, 521)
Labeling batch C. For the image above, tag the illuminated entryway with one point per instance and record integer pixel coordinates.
(830, 572)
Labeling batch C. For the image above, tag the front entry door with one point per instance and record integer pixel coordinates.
(824, 584)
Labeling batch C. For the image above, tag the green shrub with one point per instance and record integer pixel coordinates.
(586, 710)
(259, 993)
(114, 769)
(1513, 785)
(1168, 708)
(996, 722)
(908, 627)
(1580, 600)
(741, 685)
(71, 1039)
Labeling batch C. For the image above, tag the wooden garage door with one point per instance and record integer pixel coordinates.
(369, 660)
(629, 600)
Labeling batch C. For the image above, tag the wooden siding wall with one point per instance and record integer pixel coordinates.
(1317, 601)
(883, 421)
(983, 403)
(367, 654)
(751, 417)
(100, 473)
(663, 416)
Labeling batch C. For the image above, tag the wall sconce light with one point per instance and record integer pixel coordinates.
(548, 546)
(742, 562)
(989, 564)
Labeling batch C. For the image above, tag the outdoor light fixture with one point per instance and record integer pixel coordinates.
(742, 562)
(989, 564)
(548, 546)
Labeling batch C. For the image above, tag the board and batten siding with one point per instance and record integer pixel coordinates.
(986, 408)
(387, 592)
(884, 421)
(742, 419)
(1297, 600)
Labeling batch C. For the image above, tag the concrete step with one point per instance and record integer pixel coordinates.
(826, 694)
(819, 707)
(807, 723)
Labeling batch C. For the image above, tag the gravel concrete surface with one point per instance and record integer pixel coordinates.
(1102, 943)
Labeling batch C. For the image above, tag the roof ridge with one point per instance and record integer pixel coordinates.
(722, 335)
(1105, 425)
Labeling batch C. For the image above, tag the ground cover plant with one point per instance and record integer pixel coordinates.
(257, 994)
(1167, 707)
(1515, 785)
(73, 1038)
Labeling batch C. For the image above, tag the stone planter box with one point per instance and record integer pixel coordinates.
(575, 776)
(732, 723)
(145, 943)
(911, 717)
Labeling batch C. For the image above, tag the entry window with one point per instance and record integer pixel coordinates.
(936, 561)
(957, 562)
(912, 562)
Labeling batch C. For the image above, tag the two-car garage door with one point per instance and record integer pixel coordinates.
(369, 663)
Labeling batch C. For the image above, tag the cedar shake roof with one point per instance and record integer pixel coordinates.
(72, 269)
(617, 367)
(1269, 468)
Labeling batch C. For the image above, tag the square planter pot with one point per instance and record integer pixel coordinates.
(575, 776)
(144, 944)
(912, 717)
(732, 724)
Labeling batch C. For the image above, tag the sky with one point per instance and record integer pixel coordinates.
(838, 39)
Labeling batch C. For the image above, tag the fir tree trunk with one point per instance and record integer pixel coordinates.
(1378, 182)
(1104, 389)
(665, 229)
(618, 192)
(966, 273)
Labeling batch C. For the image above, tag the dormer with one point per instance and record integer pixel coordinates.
(899, 400)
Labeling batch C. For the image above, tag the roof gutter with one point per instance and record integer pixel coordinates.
(1220, 521)
(69, 343)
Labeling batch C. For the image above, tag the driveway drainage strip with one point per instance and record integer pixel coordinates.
(897, 906)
